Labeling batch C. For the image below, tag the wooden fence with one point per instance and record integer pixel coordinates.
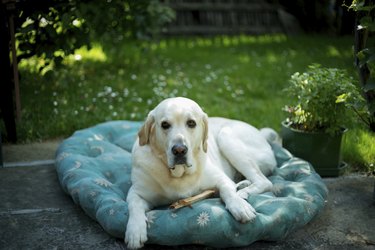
(209, 17)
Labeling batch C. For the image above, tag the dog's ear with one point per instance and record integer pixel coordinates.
(144, 132)
(205, 132)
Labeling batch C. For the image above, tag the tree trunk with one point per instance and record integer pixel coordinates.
(361, 36)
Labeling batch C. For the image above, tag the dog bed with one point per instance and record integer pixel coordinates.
(94, 167)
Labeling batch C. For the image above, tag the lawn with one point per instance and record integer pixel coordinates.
(240, 77)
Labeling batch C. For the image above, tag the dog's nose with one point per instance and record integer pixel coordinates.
(179, 150)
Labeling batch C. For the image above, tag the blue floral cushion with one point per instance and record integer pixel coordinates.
(94, 167)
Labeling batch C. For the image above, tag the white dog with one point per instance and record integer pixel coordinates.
(181, 152)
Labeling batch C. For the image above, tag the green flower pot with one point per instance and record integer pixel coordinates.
(322, 150)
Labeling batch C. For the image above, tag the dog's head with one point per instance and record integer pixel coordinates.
(177, 131)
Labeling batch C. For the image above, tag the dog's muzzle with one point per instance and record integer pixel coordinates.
(179, 151)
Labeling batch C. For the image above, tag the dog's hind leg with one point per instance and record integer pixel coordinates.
(246, 149)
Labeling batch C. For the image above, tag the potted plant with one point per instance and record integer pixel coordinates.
(322, 109)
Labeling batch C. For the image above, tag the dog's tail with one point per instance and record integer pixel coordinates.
(271, 136)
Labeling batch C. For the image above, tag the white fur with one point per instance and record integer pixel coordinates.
(219, 151)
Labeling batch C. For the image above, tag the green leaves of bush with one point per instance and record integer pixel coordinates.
(324, 100)
(55, 30)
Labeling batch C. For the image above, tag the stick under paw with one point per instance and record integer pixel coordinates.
(190, 200)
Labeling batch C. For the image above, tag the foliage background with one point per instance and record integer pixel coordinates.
(86, 62)
(53, 29)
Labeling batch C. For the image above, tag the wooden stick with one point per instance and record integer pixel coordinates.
(190, 200)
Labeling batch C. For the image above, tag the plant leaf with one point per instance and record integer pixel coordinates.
(366, 55)
(341, 98)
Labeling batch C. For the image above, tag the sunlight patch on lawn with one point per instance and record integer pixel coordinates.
(35, 64)
(40, 65)
(244, 58)
(218, 41)
(359, 147)
(333, 51)
(95, 54)
(272, 57)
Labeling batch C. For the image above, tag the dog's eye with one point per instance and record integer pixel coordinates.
(165, 125)
(191, 123)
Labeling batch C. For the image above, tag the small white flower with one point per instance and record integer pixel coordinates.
(77, 164)
(308, 198)
(309, 210)
(150, 218)
(203, 219)
(103, 182)
(62, 156)
(98, 137)
(77, 57)
(111, 212)
(277, 188)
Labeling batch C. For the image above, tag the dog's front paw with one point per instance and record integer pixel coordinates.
(136, 235)
(241, 210)
(244, 193)
(247, 188)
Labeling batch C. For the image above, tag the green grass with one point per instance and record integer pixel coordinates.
(239, 77)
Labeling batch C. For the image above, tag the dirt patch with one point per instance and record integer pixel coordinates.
(30, 152)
